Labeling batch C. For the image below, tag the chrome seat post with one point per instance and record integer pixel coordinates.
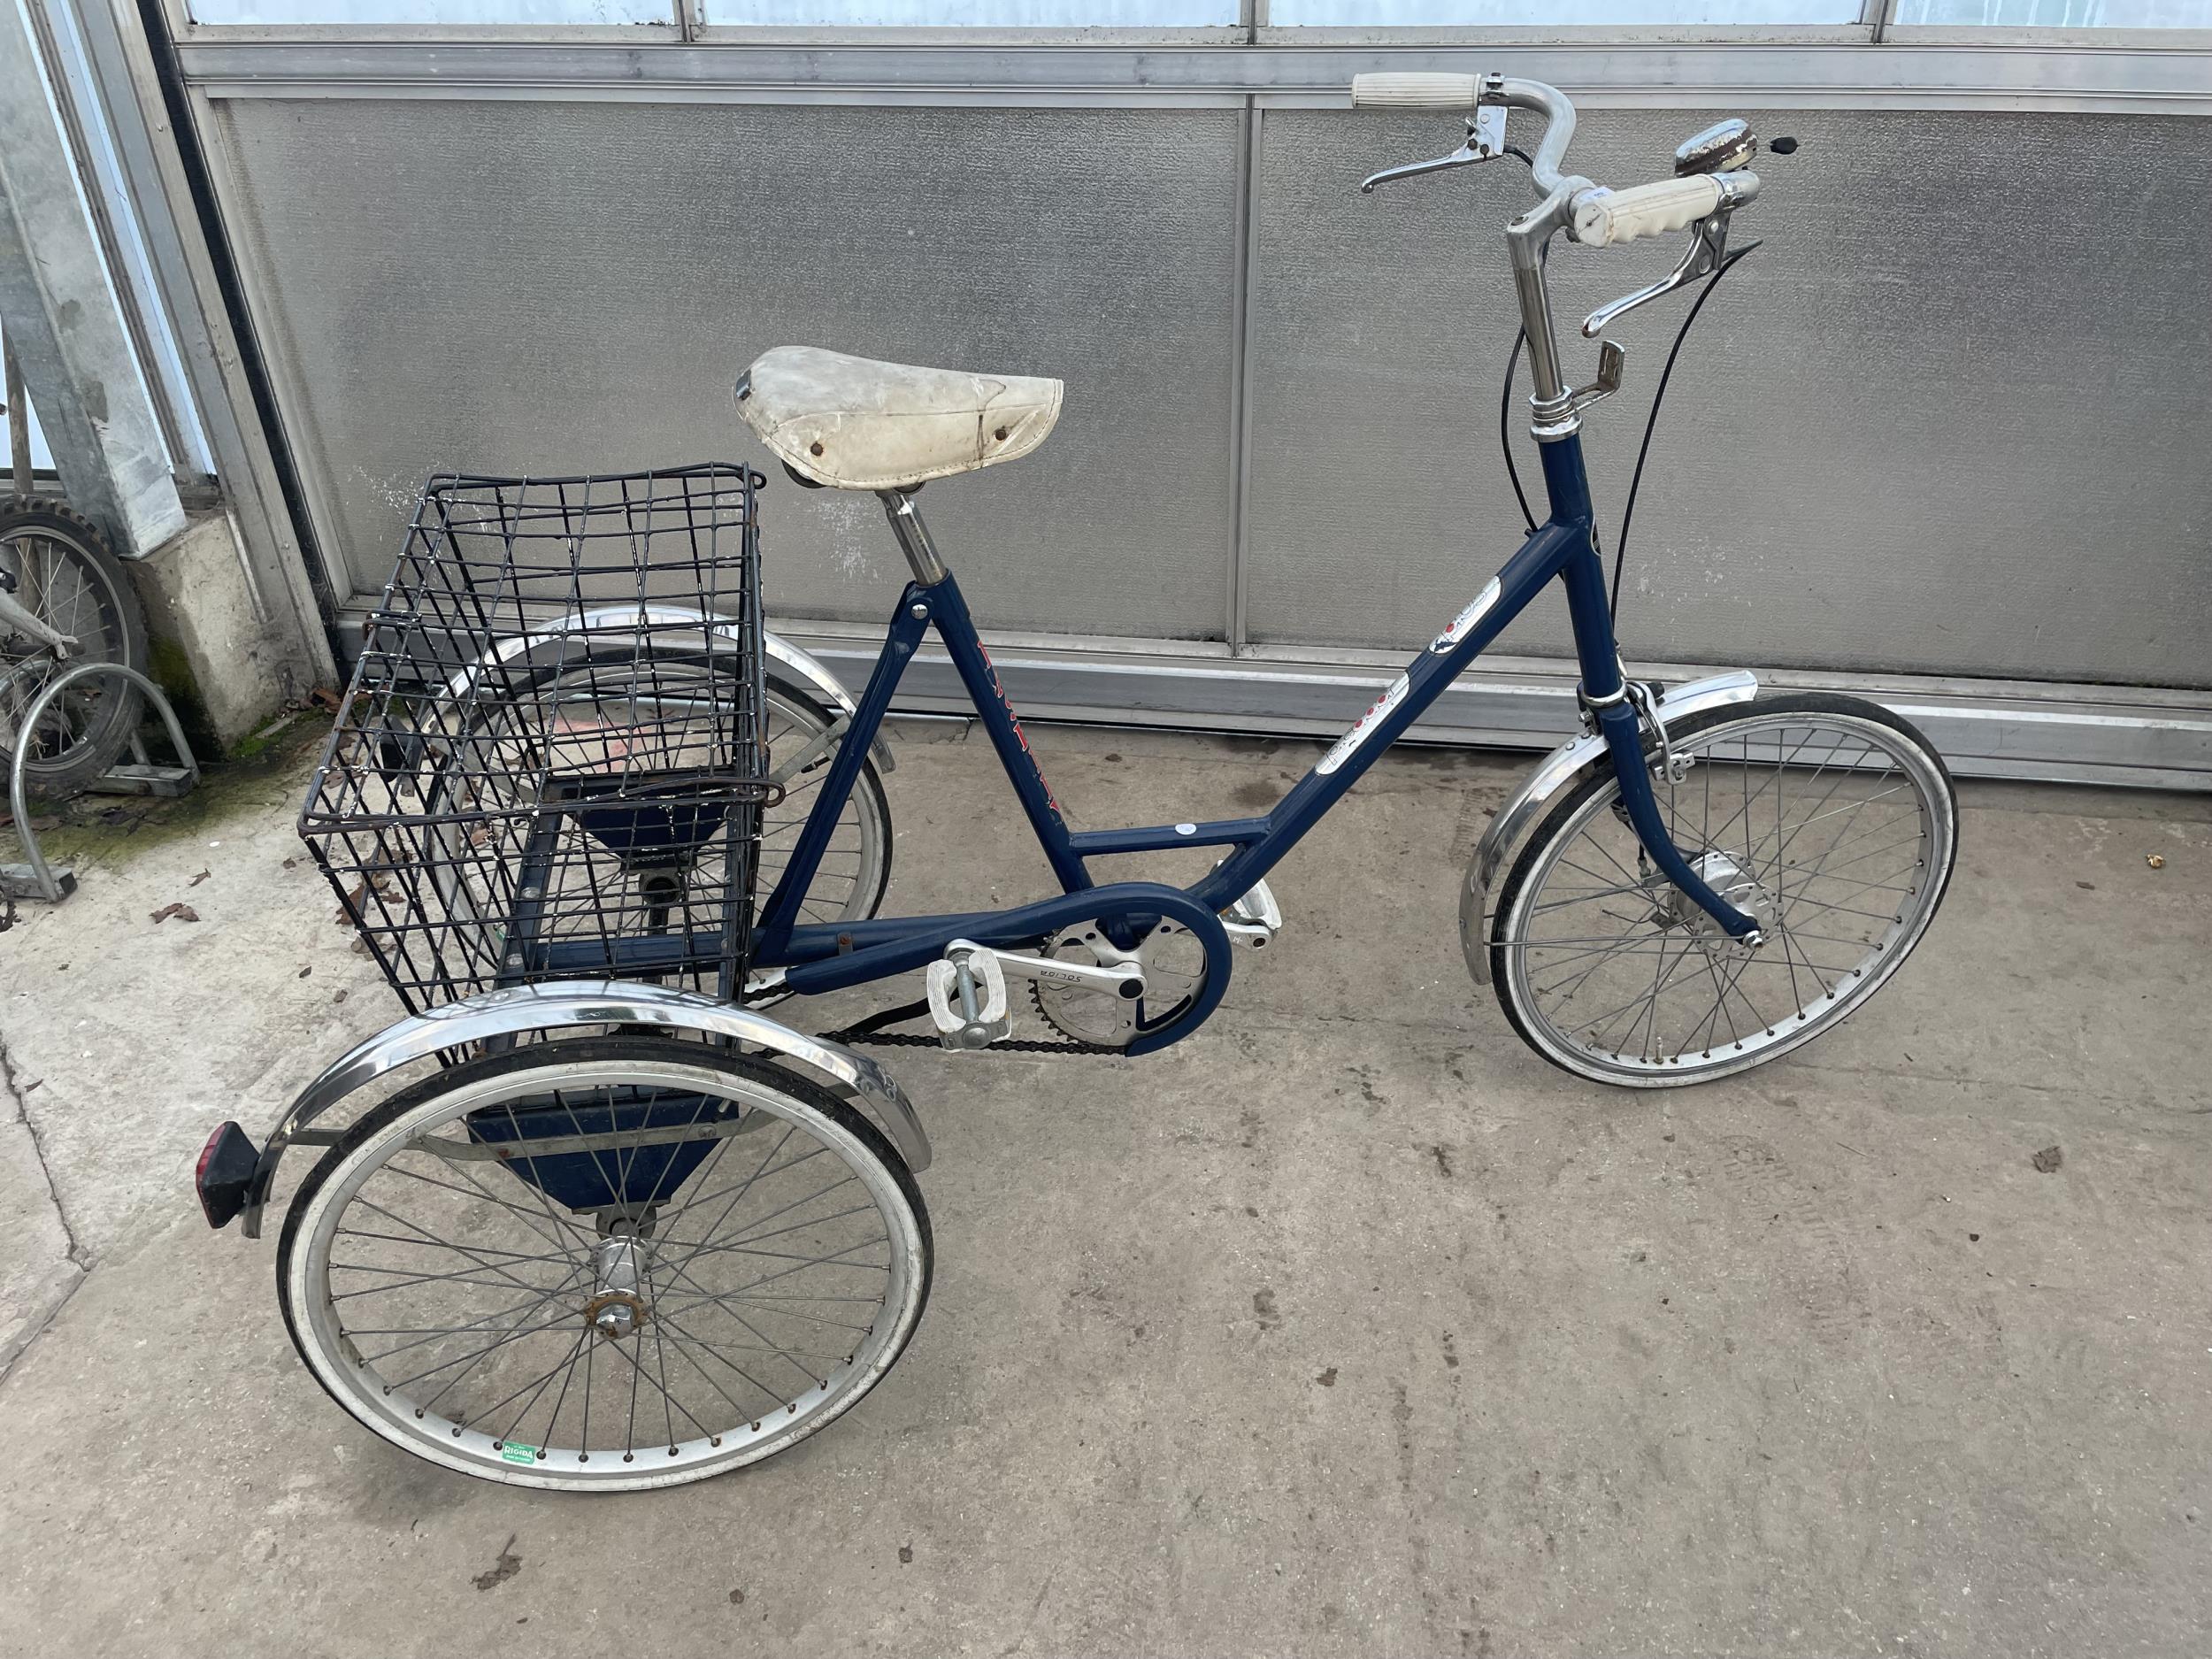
(913, 534)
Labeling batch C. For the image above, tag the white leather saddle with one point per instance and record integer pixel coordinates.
(851, 423)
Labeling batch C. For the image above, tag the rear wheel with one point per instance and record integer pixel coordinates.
(705, 1260)
(854, 871)
(56, 566)
(1829, 820)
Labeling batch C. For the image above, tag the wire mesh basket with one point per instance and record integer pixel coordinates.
(550, 762)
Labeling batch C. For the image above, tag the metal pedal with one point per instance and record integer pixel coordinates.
(1254, 919)
(967, 997)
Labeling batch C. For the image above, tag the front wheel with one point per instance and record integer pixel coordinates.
(1829, 820)
(605, 1263)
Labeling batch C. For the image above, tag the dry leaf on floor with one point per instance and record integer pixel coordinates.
(183, 912)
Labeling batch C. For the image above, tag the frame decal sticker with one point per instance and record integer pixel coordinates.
(1020, 736)
(1350, 741)
(1457, 629)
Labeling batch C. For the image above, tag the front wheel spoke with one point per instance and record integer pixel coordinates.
(1789, 931)
(1825, 872)
(1813, 873)
(1842, 835)
(1606, 1022)
(1773, 779)
(1726, 984)
(1583, 898)
(1844, 910)
(764, 1347)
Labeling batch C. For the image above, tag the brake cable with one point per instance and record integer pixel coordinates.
(1636, 478)
(1651, 423)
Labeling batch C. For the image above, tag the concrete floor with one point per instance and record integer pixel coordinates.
(1346, 1325)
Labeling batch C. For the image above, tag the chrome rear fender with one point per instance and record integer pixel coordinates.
(530, 1009)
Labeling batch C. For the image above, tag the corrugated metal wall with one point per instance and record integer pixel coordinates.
(1950, 420)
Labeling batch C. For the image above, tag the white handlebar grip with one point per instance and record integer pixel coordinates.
(1605, 217)
(1415, 91)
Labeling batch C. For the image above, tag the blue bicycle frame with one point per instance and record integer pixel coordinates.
(827, 956)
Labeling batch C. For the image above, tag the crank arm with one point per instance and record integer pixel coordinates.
(1125, 982)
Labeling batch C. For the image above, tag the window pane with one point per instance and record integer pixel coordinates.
(363, 12)
(1556, 13)
(2061, 14)
(1001, 15)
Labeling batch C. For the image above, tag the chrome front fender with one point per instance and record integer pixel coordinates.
(1562, 766)
(799, 664)
(583, 1002)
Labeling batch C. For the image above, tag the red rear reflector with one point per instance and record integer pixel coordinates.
(225, 1173)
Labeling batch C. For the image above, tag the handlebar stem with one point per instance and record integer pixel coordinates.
(1526, 239)
(1529, 235)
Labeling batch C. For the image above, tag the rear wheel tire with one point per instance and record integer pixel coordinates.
(1830, 819)
(459, 1297)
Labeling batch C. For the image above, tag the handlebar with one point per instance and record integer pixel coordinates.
(1604, 217)
(1415, 91)
(1597, 218)
(1703, 193)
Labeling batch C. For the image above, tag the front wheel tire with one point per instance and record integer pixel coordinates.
(1829, 818)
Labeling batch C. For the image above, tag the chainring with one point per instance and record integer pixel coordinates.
(1174, 963)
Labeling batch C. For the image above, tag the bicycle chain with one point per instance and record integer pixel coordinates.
(1012, 1045)
(868, 1030)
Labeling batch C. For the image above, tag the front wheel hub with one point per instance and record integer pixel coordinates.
(1726, 876)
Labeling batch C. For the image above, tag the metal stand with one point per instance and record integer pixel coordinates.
(36, 879)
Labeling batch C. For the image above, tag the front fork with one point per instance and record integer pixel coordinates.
(1605, 694)
(1623, 737)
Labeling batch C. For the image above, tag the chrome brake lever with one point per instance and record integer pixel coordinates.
(1709, 246)
(1486, 142)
